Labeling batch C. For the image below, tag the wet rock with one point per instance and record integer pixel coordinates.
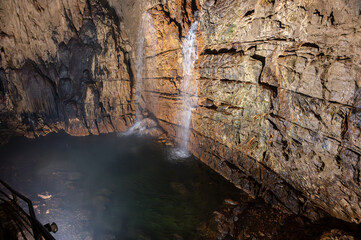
(230, 202)
(66, 46)
(252, 219)
(288, 108)
(336, 234)
(45, 196)
(279, 87)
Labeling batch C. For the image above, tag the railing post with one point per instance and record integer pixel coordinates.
(39, 231)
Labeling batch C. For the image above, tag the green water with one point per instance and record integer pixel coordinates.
(113, 187)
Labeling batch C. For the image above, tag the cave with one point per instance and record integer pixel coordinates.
(180, 119)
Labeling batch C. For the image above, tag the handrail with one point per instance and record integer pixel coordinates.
(38, 229)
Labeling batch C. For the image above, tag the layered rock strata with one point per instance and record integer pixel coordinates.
(280, 82)
(279, 106)
(279, 97)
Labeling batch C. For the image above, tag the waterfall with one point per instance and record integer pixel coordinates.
(146, 38)
(151, 68)
(140, 65)
(189, 90)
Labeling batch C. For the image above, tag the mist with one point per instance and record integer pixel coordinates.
(113, 187)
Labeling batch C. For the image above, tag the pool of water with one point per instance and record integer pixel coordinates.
(113, 187)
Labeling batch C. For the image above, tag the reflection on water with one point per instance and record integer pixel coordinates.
(110, 187)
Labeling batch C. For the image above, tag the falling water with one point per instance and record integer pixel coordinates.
(151, 67)
(140, 64)
(146, 28)
(189, 89)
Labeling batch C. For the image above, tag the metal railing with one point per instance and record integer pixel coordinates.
(38, 230)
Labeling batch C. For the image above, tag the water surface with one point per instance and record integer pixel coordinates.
(111, 187)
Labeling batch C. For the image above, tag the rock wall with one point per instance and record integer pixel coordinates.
(64, 65)
(279, 111)
(280, 82)
(279, 87)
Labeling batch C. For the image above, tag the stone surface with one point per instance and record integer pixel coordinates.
(279, 105)
(252, 220)
(64, 66)
(278, 99)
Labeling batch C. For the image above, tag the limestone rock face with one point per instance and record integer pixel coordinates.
(64, 65)
(280, 81)
(279, 109)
